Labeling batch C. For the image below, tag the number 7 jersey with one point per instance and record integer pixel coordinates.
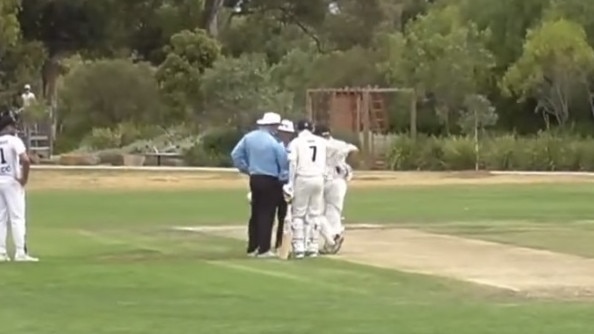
(11, 147)
(307, 153)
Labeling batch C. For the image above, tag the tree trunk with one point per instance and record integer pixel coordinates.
(210, 16)
(50, 74)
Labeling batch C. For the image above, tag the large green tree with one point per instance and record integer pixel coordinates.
(442, 58)
(189, 54)
(555, 61)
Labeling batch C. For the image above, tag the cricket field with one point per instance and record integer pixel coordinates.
(425, 253)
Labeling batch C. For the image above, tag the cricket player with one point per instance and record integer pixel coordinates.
(307, 166)
(285, 134)
(338, 173)
(14, 174)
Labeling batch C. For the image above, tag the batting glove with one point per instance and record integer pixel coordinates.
(288, 193)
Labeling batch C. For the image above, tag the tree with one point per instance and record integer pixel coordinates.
(507, 21)
(238, 90)
(19, 65)
(555, 60)
(189, 54)
(101, 94)
(9, 25)
(440, 57)
(477, 115)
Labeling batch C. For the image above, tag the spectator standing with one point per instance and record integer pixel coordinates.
(28, 98)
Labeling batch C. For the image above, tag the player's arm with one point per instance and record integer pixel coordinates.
(239, 156)
(346, 148)
(282, 161)
(21, 152)
(292, 159)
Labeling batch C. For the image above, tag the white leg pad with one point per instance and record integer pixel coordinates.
(298, 235)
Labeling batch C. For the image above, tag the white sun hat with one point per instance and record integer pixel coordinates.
(269, 118)
(286, 126)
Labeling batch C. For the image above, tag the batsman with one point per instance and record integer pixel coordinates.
(338, 173)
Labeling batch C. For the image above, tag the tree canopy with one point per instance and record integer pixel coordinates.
(221, 61)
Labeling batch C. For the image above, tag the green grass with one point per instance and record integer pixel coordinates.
(111, 265)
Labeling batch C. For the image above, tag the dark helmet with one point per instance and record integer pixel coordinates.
(304, 125)
(322, 130)
(7, 117)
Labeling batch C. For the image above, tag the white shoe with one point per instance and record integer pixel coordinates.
(4, 258)
(299, 256)
(267, 255)
(311, 254)
(25, 258)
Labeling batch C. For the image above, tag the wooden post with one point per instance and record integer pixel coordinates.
(413, 114)
(366, 135)
(308, 105)
(476, 142)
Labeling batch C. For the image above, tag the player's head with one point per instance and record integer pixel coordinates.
(286, 131)
(303, 125)
(8, 120)
(322, 130)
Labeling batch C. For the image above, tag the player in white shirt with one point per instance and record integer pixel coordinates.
(338, 173)
(307, 166)
(14, 174)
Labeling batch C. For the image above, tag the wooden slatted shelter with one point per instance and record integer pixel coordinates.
(361, 111)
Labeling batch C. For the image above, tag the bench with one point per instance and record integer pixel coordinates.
(161, 155)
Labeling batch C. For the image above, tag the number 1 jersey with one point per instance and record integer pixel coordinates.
(11, 147)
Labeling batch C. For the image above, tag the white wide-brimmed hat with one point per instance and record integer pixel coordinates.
(269, 118)
(286, 126)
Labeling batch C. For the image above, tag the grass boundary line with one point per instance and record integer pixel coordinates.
(167, 169)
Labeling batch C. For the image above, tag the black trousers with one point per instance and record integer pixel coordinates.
(281, 215)
(264, 190)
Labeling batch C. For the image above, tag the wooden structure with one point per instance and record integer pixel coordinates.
(38, 137)
(360, 111)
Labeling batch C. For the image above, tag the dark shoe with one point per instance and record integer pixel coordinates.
(338, 241)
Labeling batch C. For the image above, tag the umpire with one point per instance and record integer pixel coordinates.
(260, 155)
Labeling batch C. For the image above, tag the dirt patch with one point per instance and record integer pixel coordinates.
(166, 180)
(530, 272)
(525, 270)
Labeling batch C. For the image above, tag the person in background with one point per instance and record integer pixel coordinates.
(286, 133)
(28, 98)
(260, 155)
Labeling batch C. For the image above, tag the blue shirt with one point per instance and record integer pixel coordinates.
(259, 153)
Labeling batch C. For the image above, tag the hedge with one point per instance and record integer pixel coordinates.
(215, 146)
(544, 152)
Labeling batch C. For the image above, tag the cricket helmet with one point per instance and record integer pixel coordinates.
(304, 124)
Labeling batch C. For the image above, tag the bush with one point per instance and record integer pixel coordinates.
(543, 152)
(214, 148)
(122, 135)
(459, 153)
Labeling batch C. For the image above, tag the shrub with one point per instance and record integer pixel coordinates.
(544, 152)
(403, 154)
(459, 153)
(500, 153)
(103, 138)
(430, 154)
(122, 135)
(214, 148)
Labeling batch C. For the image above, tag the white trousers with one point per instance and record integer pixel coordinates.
(334, 195)
(307, 212)
(12, 211)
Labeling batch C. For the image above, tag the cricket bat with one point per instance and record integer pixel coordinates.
(285, 249)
